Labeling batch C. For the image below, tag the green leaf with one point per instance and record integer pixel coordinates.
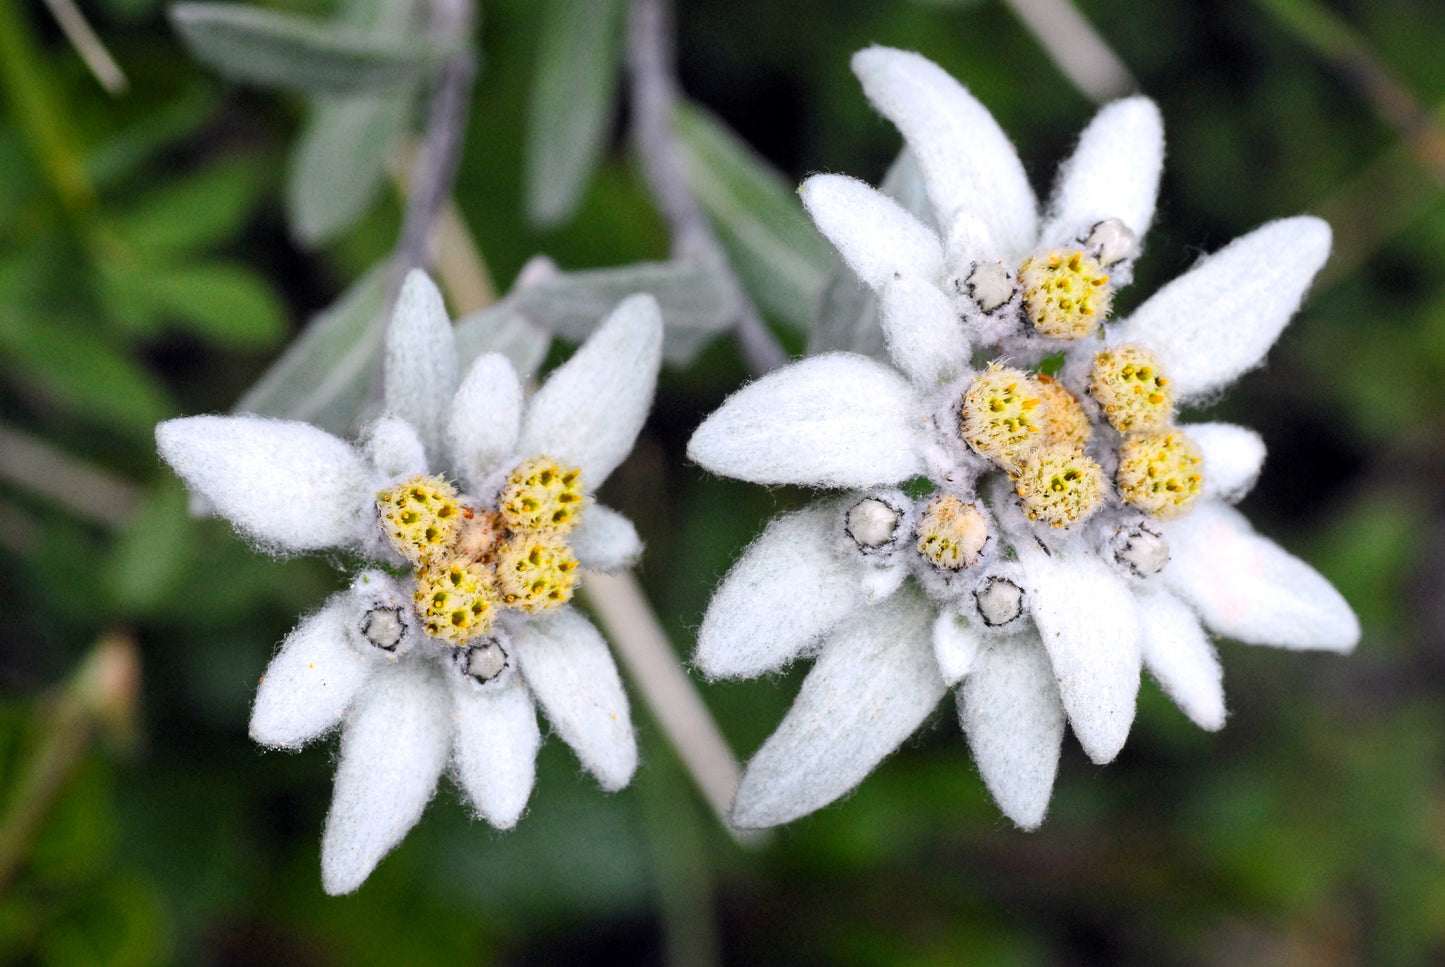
(339, 163)
(152, 552)
(274, 49)
(196, 212)
(324, 376)
(574, 89)
(228, 304)
(779, 255)
(122, 155)
(696, 299)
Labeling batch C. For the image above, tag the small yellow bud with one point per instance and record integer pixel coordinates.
(1066, 293)
(1000, 413)
(1064, 418)
(420, 517)
(1160, 473)
(1059, 484)
(1131, 387)
(951, 533)
(541, 495)
(536, 571)
(456, 599)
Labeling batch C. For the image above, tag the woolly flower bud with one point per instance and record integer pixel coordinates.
(456, 599)
(1132, 389)
(420, 517)
(1066, 294)
(871, 523)
(536, 571)
(951, 533)
(1064, 419)
(1160, 473)
(998, 415)
(1059, 485)
(541, 495)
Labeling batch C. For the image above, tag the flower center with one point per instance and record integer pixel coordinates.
(1066, 293)
(1064, 419)
(951, 533)
(1160, 473)
(1131, 387)
(1059, 484)
(456, 599)
(420, 517)
(541, 495)
(998, 414)
(536, 571)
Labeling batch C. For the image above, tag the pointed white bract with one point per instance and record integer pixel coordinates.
(969, 163)
(1113, 173)
(421, 361)
(876, 236)
(312, 680)
(1247, 588)
(956, 644)
(494, 755)
(592, 407)
(1218, 320)
(393, 751)
(571, 673)
(1233, 457)
(836, 420)
(605, 540)
(791, 586)
(873, 684)
(924, 334)
(1181, 659)
(1010, 711)
(288, 486)
(481, 447)
(395, 449)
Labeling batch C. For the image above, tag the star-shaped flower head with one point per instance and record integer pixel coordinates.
(478, 510)
(1035, 513)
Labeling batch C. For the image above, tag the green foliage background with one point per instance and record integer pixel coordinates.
(146, 271)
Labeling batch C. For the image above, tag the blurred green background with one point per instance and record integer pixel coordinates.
(147, 271)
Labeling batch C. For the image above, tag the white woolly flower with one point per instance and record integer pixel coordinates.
(440, 669)
(1045, 591)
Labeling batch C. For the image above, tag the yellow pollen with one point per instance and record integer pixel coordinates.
(999, 414)
(1059, 484)
(951, 533)
(420, 517)
(541, 495)
(1066, 293)
(1133, 391)
(1064, 418)
(1160, 473)
(536, 571)
(456, 599)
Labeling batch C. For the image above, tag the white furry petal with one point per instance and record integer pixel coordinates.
(313, 678)
(286, 485)
(1113, 173)
(1220, 318)
(395, 449)
(1180, 657)
(1010, 711)
(968, 163)
(956, 642)
(1248, 588)
(876, 236)
(485, 419)
(571, 674)
(1233, 456)
(874, 683)
(787, 589)
(591, 408)
(1086, 618)
(494, 752)
(604, 540)
(393, 750)
(836, 420)
(924, 334)
(421, 361)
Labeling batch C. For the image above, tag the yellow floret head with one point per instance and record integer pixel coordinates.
(1066, 293)
(1160, 473)
(1000, 413)
(1064, 419)
(420, 517)
(951, 533)
(1059, 485)
(457, 599)
(542, 495)
(536, 571)
(1131, 388)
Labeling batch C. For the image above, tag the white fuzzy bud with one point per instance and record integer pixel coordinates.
(1111, 241)
(999, 601)
(872, 523)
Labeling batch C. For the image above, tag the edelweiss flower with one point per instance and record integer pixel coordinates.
(440, 668)
(1068, 531)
